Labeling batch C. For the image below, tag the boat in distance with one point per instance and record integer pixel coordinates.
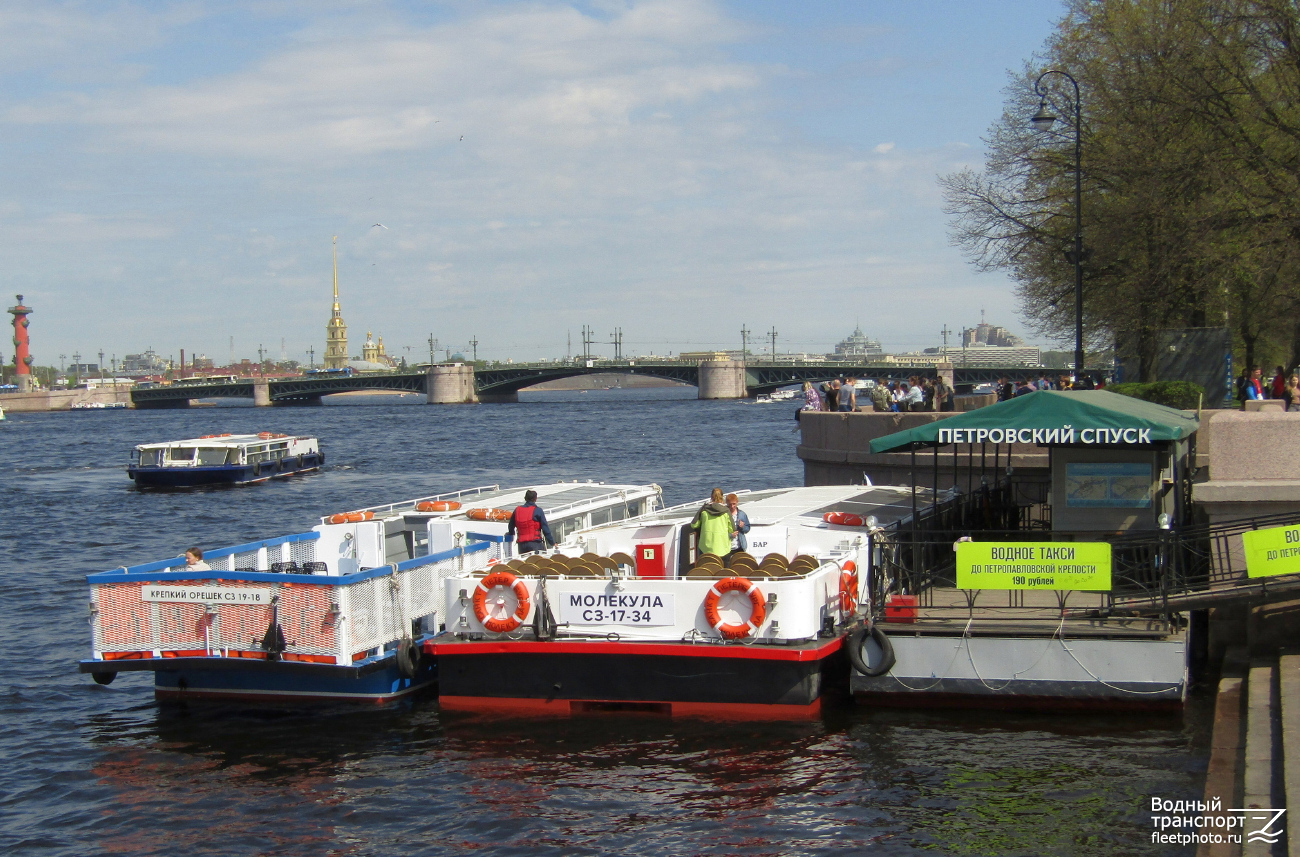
(340, 612)
(223, 459)
(628, 616)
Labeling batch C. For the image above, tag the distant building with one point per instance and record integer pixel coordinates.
(992, 356)
(336, 331)
(988, 334)
(373, 353)
(711, 355)
(201, 363)
(857, 347)
(147, 363)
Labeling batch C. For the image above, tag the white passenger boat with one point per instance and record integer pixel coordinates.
(339, 612)
(223, 459)
(628, 617)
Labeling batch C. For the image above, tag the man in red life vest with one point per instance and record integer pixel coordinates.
(531, 524)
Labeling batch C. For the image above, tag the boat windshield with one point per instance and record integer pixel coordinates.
(150, 457)
(211, 457)
(180, 453)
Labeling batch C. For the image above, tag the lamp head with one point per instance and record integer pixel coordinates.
(1043, 119)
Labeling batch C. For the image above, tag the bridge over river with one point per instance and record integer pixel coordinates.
(456, 383)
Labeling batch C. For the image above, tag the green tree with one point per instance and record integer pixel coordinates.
(1190, 158)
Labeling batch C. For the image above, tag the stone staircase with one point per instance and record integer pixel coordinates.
(1255, 753)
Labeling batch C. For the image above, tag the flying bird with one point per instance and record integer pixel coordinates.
(379, 224)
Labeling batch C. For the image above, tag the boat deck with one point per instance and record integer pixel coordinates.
(956, 612)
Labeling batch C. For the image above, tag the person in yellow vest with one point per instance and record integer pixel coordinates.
(714, 524)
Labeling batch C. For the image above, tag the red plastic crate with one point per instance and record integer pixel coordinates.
(901, 608)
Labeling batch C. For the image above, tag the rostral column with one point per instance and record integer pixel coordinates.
(22, 351)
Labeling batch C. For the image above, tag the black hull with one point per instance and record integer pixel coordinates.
(670, 678)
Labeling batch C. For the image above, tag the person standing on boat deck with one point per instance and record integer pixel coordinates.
(740, 521)
(194, 560)
(531, 525)
(849, 395)
(713, 522)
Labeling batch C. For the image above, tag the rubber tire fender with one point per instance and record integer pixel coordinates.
(887, 660)
(408, 658)
(103, 678)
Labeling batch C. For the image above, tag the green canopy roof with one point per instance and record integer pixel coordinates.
(1053, 417)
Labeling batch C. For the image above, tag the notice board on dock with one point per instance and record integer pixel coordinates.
(1272, 551)
(1034, 565)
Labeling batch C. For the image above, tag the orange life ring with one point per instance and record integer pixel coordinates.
(351, 517)
(843, 519)
(757, 605)
(437, 506)
(488, 515)
(848, 587)
(265, 435)
(486, 585)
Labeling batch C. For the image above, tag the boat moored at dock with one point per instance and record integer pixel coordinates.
(630, 617)
(336, 613)
(224, 459)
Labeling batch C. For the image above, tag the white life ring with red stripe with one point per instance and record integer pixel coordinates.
(848, 587)
(757, 608)
(500, 625)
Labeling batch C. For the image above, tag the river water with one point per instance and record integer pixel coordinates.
(103, 770)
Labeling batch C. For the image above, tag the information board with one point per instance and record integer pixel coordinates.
(1275, 550)
(1107, 484)
(1034, 565)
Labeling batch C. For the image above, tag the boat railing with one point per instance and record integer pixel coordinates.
(689, 506)
(409, 504)
(556, 512)
(156, 611)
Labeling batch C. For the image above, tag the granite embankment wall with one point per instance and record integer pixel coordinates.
(61, 400)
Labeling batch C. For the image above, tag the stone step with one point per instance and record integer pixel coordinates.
(1289, 699)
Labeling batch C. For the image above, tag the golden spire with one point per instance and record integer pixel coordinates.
(336, 273)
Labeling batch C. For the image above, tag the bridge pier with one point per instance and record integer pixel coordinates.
(451, 385)
(722, 379)
(261, 393)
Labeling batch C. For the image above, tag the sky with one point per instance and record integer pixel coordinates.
(174, 173)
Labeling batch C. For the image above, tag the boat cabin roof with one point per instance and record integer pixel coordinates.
(556, 499)
(806, 506)
(223, 441)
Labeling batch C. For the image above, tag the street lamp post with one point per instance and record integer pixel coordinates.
(1042, 120)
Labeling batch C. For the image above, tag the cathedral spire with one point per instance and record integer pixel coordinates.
(336, 331)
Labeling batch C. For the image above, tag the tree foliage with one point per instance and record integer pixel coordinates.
(1191, 168)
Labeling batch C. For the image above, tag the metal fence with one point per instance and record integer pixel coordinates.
(1151, 570)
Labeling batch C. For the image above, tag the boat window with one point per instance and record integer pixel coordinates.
(600, 516)
(561, 529)
(181, 453)
(634, 509)
(212, 457)
(150, 457)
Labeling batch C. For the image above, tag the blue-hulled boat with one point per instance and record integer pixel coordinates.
(341, 613)
(225, 459)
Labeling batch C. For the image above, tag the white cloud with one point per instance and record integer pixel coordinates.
(539, 168)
